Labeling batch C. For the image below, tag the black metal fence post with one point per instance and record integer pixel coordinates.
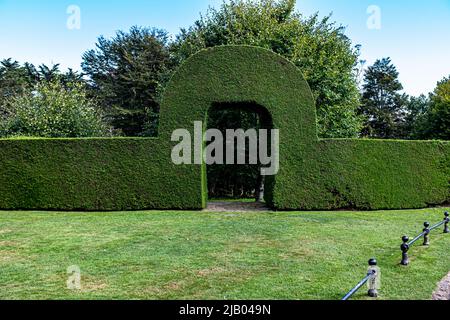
(371, 278)
(373, 281)
(406, 246)
(405, 249)
(447, 220)
(426, 236)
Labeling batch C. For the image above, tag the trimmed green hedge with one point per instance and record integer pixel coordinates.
(242, 74)
(134, 174)
(94, 174)
(366, 175)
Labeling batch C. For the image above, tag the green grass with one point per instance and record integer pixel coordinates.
(196, 255)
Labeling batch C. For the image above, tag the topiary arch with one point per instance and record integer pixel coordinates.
(325, 174)
(245, 76)
(132, 174)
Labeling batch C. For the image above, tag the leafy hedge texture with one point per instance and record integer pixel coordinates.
(120, 174)
(93, 174)
(367, 175)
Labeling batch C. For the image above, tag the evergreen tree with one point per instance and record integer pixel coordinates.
(126, 74)
(383, 105)
(14, 80)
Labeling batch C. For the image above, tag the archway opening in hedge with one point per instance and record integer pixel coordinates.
(238, 181)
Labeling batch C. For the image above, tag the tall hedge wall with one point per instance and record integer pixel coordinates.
(94, 174)
(367, 175)
(134, 174)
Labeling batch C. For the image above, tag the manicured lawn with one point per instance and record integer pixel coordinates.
(196, 255)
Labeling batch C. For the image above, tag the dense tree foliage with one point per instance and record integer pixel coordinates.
(16, 79)
(435, 123)
(391, 114)
(413, 124)
(319, 47)
(383, 105)
(54, 111)
(126, 74)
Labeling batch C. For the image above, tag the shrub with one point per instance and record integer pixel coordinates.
(53, 111)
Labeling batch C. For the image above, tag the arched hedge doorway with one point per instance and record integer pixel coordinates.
(237, 75)
(239, 181)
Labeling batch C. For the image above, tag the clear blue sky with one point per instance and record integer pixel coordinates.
(414, 33)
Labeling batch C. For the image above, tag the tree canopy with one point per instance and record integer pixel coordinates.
(17, 79)
(126, 74)
(317, 46)
(383, 104)
(436, 122)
